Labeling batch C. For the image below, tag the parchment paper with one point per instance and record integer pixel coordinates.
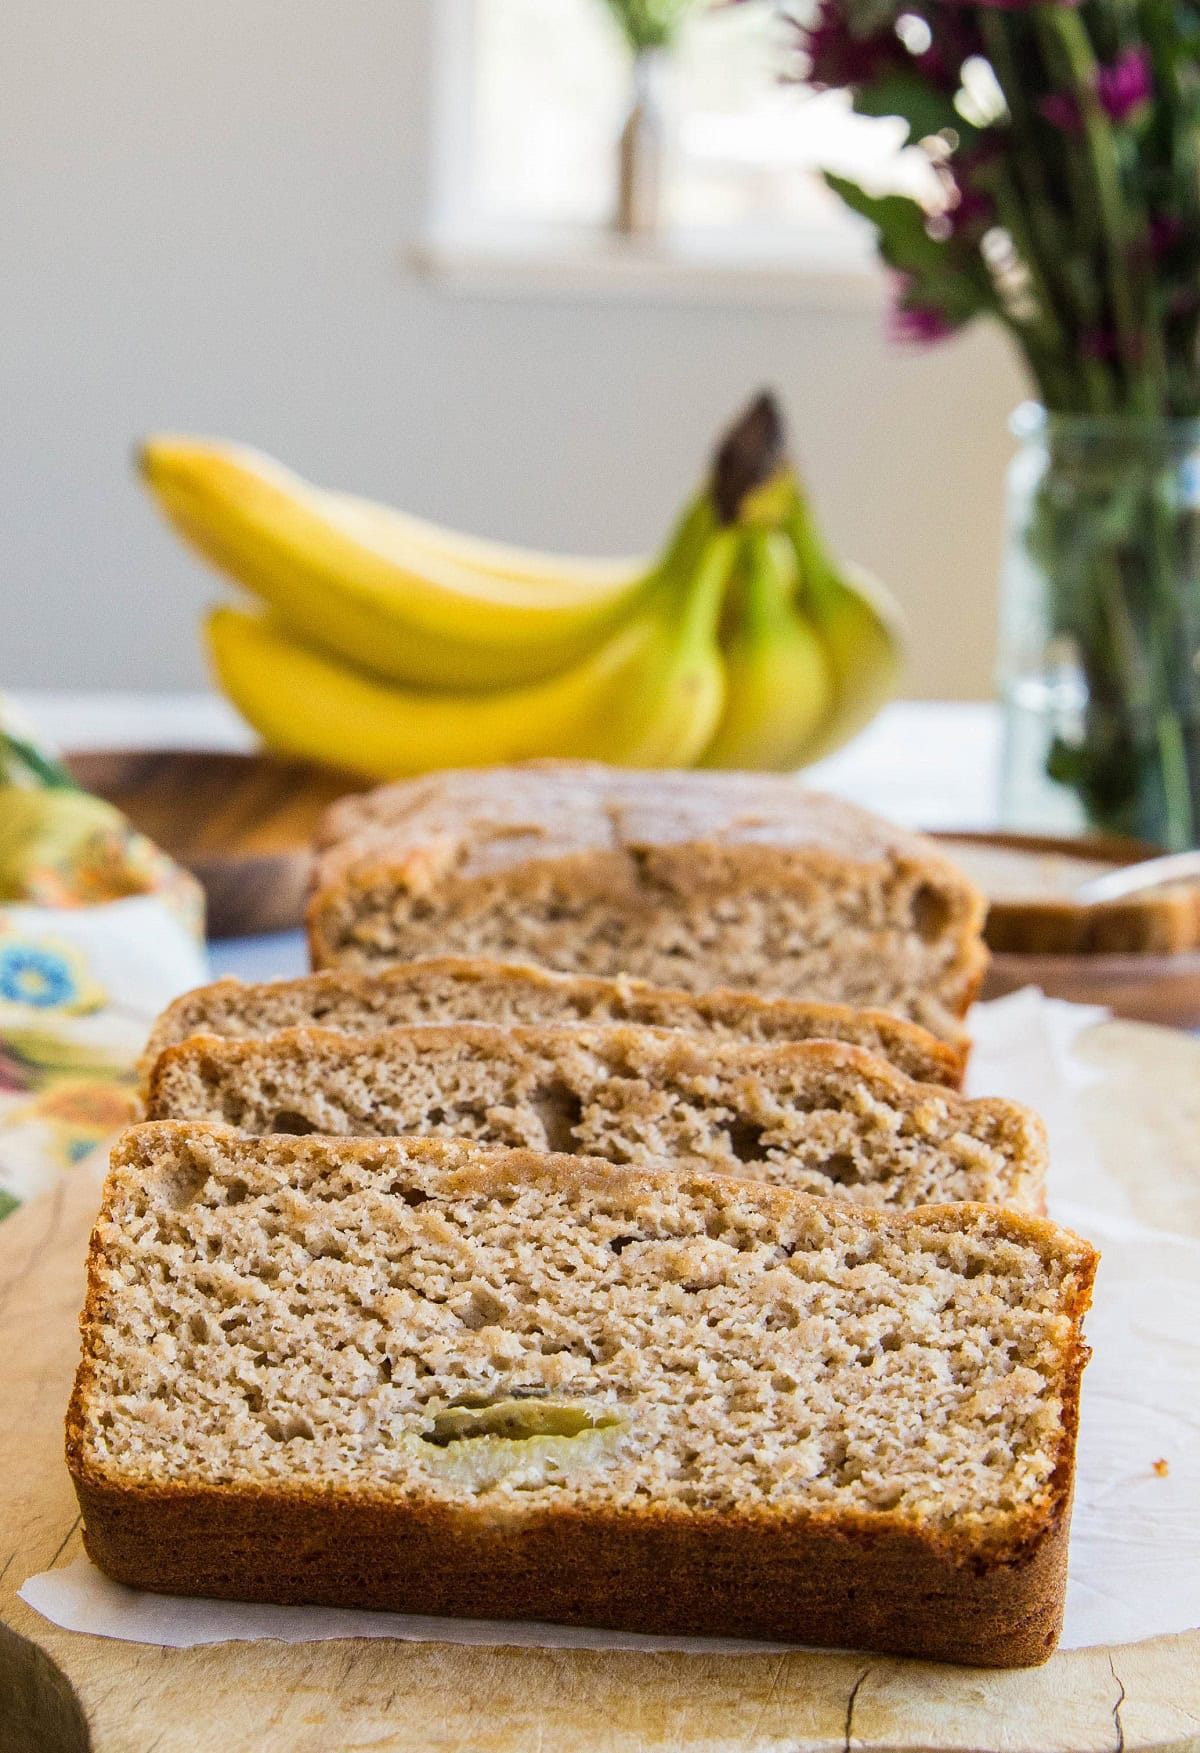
(1135, 1542)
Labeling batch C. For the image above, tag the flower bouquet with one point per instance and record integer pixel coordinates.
(1063, 142)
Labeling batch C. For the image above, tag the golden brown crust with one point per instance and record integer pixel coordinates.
(488, 1168)
(469, 840)
(1030, 883)
(714, 1575)
(825, 1578)
(478, 821)
(820, 1578)
(551, 998)
(675, 1057)
(675, 1051)
(1164, 923)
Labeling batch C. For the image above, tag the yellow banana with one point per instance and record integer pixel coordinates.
(650, 696)
(779, 684)
(358, 587)
(860, 626)
(501, 559)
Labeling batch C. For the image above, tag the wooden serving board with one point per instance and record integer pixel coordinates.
(242, 823)
(64, 1692)
(1151, 988)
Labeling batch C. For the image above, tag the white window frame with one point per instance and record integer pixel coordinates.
(462, 253)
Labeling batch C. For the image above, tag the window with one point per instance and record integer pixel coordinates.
(537, 91)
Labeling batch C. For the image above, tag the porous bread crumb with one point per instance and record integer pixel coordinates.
(455, 989)
(432, 1322)
(688, 880)
(819, 1116)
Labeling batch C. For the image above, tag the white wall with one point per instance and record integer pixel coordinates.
(204, 212)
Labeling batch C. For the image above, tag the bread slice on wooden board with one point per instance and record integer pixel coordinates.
(428, 1377)
(686, 879)
(456, 989)
(1031, 910)
(818, 1115)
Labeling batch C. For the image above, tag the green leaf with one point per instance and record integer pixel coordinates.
(904, 95)
(904, 241)
(7, 1203)
(939, 273)
(650, 24)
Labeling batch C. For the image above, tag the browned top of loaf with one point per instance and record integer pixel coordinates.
(474, 989)
(483, 822)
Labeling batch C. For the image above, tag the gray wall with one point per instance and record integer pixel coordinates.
(205, 213)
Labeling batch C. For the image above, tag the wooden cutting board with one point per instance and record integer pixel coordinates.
(242, 824)
(63, 1692)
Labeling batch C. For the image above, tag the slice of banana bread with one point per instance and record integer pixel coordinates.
(692, 880)
(428, 1377)
(817, 1115)
(454, 989)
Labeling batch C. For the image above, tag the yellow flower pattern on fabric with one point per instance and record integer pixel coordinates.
(99, 929)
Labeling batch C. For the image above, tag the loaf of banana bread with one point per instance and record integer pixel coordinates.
(817, 1115)
(448, 989)
(429, 1377)
(689, 880)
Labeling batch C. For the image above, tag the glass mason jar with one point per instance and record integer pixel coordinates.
(1099, 667)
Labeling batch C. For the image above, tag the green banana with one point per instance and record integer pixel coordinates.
(779, 682)
(859, 624)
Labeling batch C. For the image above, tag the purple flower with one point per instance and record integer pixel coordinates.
(916, 321)
(1122, 88)
(972, 213)
(1126, 85)
(1060, 109)
(838, 57)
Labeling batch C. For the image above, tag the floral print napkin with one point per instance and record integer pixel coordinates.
(99, 930)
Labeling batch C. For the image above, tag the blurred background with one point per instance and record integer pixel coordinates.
(374, 239)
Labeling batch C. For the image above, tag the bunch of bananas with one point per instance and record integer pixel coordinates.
(391, 646)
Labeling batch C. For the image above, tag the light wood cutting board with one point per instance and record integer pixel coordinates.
(61, 1692)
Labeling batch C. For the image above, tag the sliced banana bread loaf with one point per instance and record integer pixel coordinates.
(692, 880)
(428, 1377)
(817, 1115)
(455, 989)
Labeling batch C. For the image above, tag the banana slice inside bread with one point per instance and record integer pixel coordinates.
(433, 1377)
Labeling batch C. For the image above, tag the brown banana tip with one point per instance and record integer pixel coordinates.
(751, 452)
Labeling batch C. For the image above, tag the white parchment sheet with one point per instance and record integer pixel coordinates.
(1135, 1539)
